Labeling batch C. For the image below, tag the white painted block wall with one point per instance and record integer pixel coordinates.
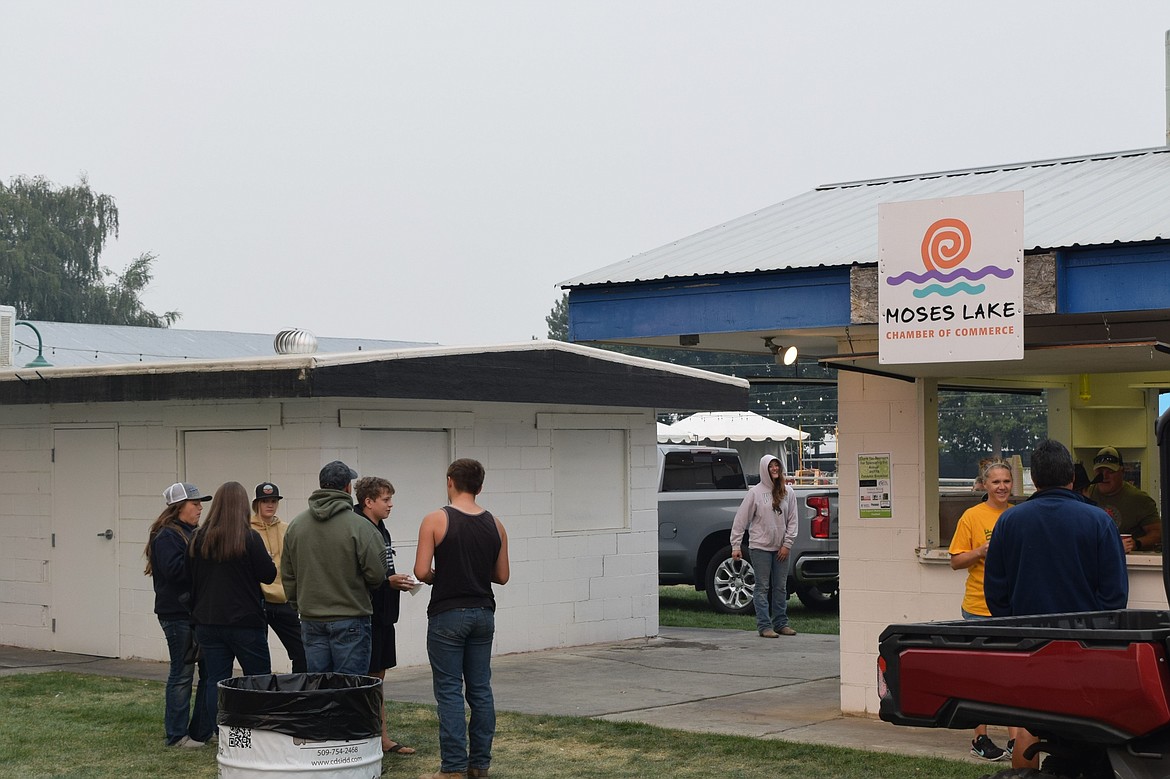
(567, 588)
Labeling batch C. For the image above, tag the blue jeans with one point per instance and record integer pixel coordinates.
(771, 598)
(341, 646)
(459, 645)
(224, 644)
(180, 720)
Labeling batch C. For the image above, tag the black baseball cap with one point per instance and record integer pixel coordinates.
(267, 490)
(336, 475)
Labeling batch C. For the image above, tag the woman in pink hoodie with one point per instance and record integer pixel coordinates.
(768, 514)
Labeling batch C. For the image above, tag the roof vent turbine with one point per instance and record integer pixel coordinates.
(295, 341)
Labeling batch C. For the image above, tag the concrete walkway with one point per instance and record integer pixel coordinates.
(705, 681)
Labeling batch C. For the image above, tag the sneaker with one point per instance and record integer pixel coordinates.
(189, 743)
(1011, 747)
(985, 748)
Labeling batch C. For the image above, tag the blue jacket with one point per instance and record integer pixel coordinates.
(172, 580)
(1054, 553)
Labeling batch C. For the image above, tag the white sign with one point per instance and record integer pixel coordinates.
(950, 279)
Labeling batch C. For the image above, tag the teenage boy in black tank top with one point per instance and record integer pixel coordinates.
(462, 551)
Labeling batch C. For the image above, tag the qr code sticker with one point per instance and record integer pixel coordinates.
(240, 738)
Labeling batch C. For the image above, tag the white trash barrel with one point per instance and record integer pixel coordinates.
(326, 726)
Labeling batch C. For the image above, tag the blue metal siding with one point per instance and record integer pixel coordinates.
(784, 300)
(1125, 278)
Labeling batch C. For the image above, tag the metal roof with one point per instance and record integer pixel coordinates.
(554, 373)
(68, 344)
(1119, 197)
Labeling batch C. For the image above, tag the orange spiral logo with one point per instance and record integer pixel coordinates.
(946, 244)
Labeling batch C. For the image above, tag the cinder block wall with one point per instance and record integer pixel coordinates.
(567, 588)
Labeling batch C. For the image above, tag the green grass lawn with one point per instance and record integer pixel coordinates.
(681, 606)
(73, 725)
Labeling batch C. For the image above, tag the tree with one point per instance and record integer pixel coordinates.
(974, 424)
(51, 240)
(558, 320)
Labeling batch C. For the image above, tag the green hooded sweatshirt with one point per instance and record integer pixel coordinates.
(332, 557)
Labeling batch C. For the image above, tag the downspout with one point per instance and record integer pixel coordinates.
(1162, 435)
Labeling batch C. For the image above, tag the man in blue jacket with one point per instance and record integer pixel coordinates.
(1055, 552)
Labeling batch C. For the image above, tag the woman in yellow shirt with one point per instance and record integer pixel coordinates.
(968, 551)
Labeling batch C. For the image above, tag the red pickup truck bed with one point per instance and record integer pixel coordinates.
(1097, 676)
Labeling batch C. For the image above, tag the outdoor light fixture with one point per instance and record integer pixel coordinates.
(785, 355)
(40, 361)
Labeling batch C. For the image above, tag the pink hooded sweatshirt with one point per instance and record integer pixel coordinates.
(768, 529)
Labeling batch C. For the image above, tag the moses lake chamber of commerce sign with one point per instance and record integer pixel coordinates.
(950, 279)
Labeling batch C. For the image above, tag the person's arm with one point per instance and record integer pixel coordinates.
(1150, 526)
(1113, 582)
(963, 551)
(170, 557)
(1152, 538)
(371, 554)
(430, 532)
(401, 582)
(996, 587)
(261, 560)
(743, 516)
(791, 519)
(502, 571)
(967, 559)
(288, 573)
(791, 524)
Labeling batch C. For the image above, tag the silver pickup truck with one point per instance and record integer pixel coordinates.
(699, 491)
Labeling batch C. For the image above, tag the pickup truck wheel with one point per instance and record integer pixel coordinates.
(730, 584)
(817, 599)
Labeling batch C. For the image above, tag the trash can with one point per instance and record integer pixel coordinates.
(320, 725)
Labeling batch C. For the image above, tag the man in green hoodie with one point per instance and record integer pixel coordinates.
(332, 558)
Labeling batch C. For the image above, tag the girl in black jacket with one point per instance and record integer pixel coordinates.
(228, 561)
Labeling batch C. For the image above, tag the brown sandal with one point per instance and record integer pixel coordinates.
(399, 749)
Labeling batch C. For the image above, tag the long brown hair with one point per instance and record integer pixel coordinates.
(169, 515)
(779, 486)
(224, 533)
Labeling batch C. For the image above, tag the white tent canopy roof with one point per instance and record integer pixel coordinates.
(728, 426)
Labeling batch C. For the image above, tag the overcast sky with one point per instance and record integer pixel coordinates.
(430, 171)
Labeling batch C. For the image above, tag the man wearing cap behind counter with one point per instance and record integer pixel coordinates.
(332, 558)
(1132, 510)
(280, 616)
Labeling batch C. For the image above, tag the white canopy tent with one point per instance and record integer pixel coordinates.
(728, 426)
(749, 433)
(663, 433)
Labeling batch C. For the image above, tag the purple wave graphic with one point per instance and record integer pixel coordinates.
(963, 273)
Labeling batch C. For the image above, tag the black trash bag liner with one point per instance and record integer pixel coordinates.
(315, 707)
